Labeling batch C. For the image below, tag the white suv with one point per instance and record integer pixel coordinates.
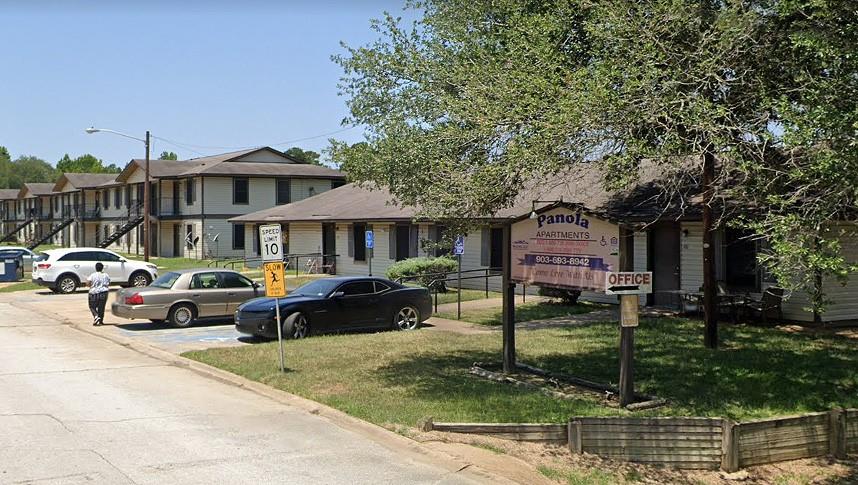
(63, 270)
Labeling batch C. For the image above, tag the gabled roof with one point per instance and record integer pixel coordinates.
(582, 185)
(9, 194)
(85, 180)
(219, 165)
(347, 203)
(36, 189)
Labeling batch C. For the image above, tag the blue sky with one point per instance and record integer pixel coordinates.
(207, 74)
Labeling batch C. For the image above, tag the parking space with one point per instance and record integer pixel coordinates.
(74, 307)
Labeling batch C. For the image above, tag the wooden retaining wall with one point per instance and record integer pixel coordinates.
(548, 433)
(852, 431)
(774, 440)
(693, 443)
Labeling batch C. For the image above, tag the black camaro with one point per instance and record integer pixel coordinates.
(341, 303)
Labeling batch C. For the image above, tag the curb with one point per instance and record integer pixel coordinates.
(378, 434)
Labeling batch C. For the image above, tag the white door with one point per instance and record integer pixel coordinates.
(113, 266)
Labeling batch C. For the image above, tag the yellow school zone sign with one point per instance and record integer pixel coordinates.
(275, 280)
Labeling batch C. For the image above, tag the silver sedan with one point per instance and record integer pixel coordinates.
(183, 296)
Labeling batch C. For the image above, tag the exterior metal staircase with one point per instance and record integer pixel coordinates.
(16, 230)
(45, 237)
(132, 219)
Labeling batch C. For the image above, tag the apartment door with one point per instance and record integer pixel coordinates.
(664, 245)
(329, 247)
(175, 206)
(403, 241)
(177, 240)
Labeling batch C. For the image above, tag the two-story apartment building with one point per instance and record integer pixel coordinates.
(35, 206)
(8, 222)
(193, 200)
(78, 196)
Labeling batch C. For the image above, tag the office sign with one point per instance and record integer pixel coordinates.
(628, 283)
(565, 249)
(370, 240)
(271, 242)
(459, 246)
(275, 279)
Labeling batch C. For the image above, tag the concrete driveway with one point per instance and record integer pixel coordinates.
(76, 408)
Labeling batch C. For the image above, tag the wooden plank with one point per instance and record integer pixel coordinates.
(768, 436)
(663, 457)
(531, 436)
(795, 441)
(730, 446)
(809, 420)
(493, 428)
(762, 456)
(777, 448)
(646, 450)
(693, 444)
(852, 427)
(837, 433)
(708, 436)
(652, 421)
(643, 428)
(575, 437)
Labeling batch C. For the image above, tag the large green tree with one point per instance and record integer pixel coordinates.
(306, 156)
(168, 156)
(85, 163)
(477, 98)
(29, 169)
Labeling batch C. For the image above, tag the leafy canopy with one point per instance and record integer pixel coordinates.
(476, 98)
(168, 156)
(306, 156)
(85, 163)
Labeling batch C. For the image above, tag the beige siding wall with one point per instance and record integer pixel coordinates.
(301, 188)
(640, 257)
(218, 196)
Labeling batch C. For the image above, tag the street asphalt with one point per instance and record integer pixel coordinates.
(75, 408)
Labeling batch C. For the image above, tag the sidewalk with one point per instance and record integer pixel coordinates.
(488, 303)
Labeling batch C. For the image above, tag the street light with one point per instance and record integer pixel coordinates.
(146, 226)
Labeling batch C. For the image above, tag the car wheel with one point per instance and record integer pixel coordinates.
(182, 315)
(67, 284)
(408, 318)
(140, 279)
(296, 326)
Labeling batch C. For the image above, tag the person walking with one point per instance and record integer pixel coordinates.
(99, 283)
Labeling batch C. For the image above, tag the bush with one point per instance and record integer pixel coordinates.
(417, 266)
(566, 296)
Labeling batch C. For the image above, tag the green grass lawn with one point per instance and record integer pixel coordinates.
(397, 378)
(523, 313)
(21, 286)
(467, 295)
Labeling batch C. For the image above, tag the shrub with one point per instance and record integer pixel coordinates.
(417, 266)
(566, 296)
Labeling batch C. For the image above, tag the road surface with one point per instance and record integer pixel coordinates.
(75, 408)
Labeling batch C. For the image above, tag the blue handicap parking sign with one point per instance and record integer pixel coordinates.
(370, 240)
(459, 246)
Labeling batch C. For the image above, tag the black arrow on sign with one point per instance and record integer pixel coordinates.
(624, 288)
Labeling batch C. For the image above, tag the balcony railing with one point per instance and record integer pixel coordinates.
(168, 206)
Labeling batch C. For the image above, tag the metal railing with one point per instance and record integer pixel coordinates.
(440, 281)
(313, 263)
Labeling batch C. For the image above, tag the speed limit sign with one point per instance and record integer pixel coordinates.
(271, 242)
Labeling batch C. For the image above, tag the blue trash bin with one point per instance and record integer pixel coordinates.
(12, 270)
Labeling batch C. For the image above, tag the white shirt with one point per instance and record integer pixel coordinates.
(98, 282)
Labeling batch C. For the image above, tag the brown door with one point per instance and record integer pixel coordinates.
(664, 245)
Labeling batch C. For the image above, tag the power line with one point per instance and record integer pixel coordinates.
(187, 146)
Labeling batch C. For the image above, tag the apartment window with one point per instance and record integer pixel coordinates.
(117, 197)
(359, 241)
(238, 236)
(127, 196)
(337, 183)
(190, 191)
(740, 261)
(284, 191)
(105, 198)
(240, 191)
(189, 236)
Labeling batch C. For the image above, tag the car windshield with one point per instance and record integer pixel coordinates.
(166, 280)
(316, 288)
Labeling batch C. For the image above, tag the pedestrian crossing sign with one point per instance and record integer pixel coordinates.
(275, 279)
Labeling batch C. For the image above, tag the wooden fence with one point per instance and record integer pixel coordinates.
(694, 443)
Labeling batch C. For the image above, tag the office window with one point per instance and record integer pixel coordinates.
(190, 191)
(284, 191)
(238, 236)
(240, 191)
(117, 197)
(359, 240)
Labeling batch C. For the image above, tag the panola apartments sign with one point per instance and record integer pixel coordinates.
(564, 248)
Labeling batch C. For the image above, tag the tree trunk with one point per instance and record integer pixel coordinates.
(710, 307)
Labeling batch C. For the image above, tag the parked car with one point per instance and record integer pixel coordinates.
(340, 303)
(14, 252)
(181, 297)
(64, 270)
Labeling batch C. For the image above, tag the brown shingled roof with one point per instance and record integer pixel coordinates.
(37, 189)
(85, 180)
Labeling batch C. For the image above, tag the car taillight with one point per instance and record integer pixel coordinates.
(135, 299)
(43, 265)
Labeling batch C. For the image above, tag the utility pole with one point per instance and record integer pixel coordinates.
(710, 308)
(146, 201)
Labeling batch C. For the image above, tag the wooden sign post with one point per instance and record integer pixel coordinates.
(628, 285)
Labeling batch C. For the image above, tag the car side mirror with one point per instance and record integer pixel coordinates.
(256, 285)
(122, 260)
(337, 294)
